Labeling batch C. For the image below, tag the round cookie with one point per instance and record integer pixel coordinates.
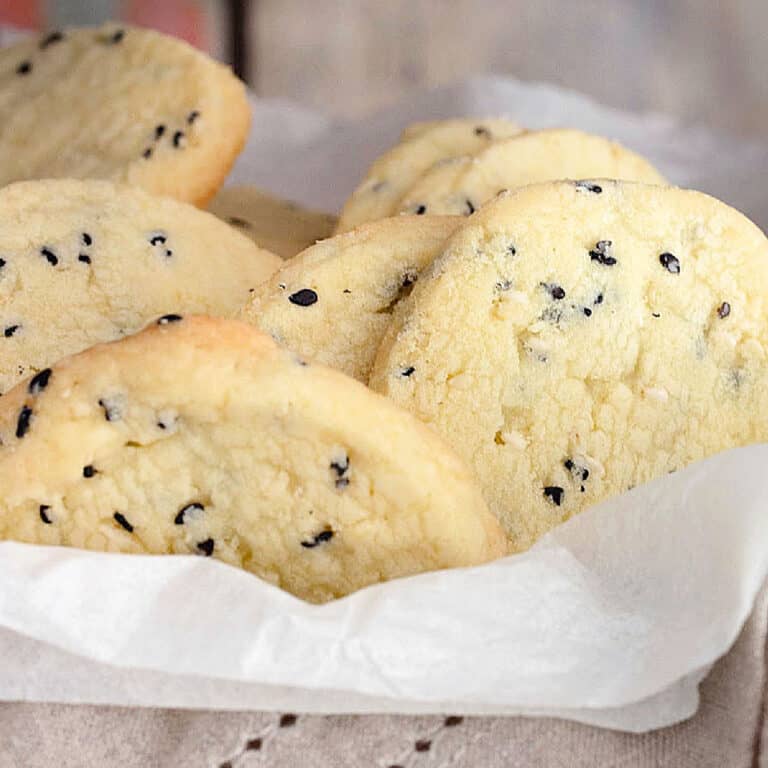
(578, 338)
(88, 261)
(202, 436)
(280, 226)
(120, 103)
(333, 302)
(392, 174)
(461, 185)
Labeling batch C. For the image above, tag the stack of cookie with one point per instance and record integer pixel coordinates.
(507, 327)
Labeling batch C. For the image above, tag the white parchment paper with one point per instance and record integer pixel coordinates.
(612, 619)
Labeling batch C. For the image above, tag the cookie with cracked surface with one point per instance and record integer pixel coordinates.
(392, 174)
(461, 185)
(83, 262)
(280, 226)
(202, 436)
(120, 103)
(333, 302)
(577, 339)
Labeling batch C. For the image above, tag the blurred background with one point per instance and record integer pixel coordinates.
(704, 61)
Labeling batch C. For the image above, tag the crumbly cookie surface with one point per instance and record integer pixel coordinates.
(392, 174)
(333, 302)
(82, 262)
(120, 103)
(460, 185)
(202, 436)
(280, 226)
(576, 339)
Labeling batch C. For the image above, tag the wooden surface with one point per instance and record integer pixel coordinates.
(704, 60)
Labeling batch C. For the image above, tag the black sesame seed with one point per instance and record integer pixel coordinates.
(157, 239)
(89, 471)
(253, 745)
(87, 239)
(85, 258)
(3, 262)
(121, 520)
(286, 721)
(180, 518)
(602, 253)
(111, 411)
(655, 314)
(168, 254)
(420, 210)
(587, 186)
(166, 319)
(422, 745)
(511, 250)
(554, 493)
(453, 720)
(670, 262)
(599, 298)
(147, 153)
(39, 381)
(50, 39)
(481, 130)
(556, 291)
(178, 138)
(22, 424)
(117, 37)
(341, 466)
(206, 547)
(346, 290)
(406, 372)
(469, 207)
(724, 310)
(50, 256)
(10, 330)
(44, 514)
(587, 311)
(306, 297)
(159, 131)
(192, 116)
(24, 68)
(320, 538)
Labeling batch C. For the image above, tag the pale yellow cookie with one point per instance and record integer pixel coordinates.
(333, 302)
(392, 174)
(88, 261)
(576, 339)
(201, 436)
(280, 226)
(461, 185)
(121, 103)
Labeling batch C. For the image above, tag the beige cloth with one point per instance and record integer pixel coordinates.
(730, 730)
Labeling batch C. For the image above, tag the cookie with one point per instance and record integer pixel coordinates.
(120, 103)
(88, 261)
(333, 302)
(461, 185)
(280, 226)
(202, 436)
(577, 339)
(390, 177)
